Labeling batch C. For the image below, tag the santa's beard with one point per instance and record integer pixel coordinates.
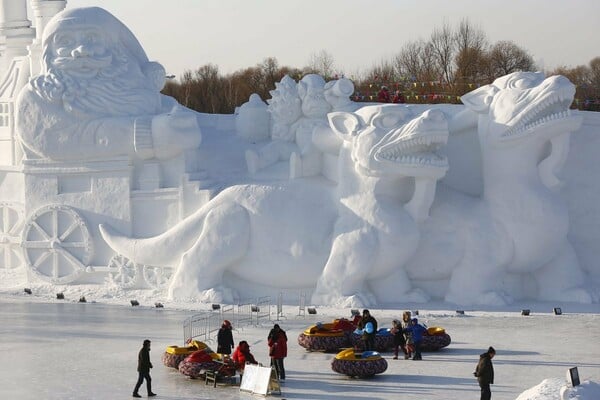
(120, 89)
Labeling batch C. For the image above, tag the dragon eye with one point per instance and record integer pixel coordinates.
(390, 120)
(523, 83)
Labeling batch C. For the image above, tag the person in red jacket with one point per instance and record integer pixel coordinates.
(241, 355)
(384, 95)
(277, 341)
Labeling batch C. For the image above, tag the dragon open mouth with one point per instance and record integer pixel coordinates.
(416, 144)
(418, 151)
(553, 108)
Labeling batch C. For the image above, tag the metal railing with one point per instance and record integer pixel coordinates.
(201, 326)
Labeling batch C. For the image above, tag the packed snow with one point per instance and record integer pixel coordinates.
(63, 349)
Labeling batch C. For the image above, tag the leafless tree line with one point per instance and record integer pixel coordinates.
(453, 61)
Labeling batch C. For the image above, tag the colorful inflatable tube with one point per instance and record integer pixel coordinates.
(173, 355)
(196, 364)
(327, 337)
(359, 364)
(435, 339)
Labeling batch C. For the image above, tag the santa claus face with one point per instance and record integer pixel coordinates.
(81, 53)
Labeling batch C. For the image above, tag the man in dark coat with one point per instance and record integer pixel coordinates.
(143, 368)
(225, 338)
(368, 337)
(485, 373)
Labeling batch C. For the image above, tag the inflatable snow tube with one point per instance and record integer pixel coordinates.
(365, 364)
(435, 342)
(384, 340)
(172, 360)
(197, 369)
(173, 355)
(323, 343)
(197, 363)
(326, 337)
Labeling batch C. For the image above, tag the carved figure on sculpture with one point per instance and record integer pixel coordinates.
(306, 160)
(337, 93)
(285, 107)
(518, 229)
(353, 230)
(98, 96)
(389, 149)
(252, 121)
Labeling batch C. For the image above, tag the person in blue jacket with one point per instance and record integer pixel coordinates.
(417, 331)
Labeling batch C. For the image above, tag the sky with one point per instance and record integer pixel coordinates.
(358, 34)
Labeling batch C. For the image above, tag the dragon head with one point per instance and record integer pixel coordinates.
(522, 104)
(391, 140)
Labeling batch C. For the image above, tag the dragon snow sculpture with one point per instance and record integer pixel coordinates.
(513, 238)
(305, 233)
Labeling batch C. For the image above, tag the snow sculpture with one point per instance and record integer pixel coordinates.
(338, 92)
(99, 143)
(489, 247)
(343, 237)
(99, 94)
(379, 161)
(306, 161)
(252, 120)
(285, 108)
(292, 132)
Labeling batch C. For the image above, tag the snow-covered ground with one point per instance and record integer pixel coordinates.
(62, 349)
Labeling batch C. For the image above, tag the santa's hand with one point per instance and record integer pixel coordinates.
(174, 132)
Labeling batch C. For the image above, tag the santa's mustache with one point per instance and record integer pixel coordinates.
(83, 62)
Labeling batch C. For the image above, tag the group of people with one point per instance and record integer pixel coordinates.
(408, 334)
(276, 340)
(384, 96)
(408, 337)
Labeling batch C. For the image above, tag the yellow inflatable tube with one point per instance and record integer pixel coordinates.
(350, 355)
(435, 330)
(193, 346)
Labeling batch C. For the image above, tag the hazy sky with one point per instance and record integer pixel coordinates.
(234, 34)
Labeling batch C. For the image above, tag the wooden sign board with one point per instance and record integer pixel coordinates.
(260, 380)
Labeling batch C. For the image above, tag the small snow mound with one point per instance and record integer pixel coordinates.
(556, 388)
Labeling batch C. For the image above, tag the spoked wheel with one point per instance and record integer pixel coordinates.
(157, 277)
(122, 271)
(57, 244)
(11, 223)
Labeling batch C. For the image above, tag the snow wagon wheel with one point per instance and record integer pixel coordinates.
(122, 271)
(11, 223)
(157, 277)
(57, 244)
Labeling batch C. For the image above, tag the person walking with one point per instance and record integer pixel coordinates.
(143, 368)
(368, 325)
(399, 339)
(225, 338)
(417, 331)
(277, 341)
(485, 373)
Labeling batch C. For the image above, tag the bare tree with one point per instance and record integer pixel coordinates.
(471, 46)
(506, 57)
(321, 63)
(595, 73)
(443, 45)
